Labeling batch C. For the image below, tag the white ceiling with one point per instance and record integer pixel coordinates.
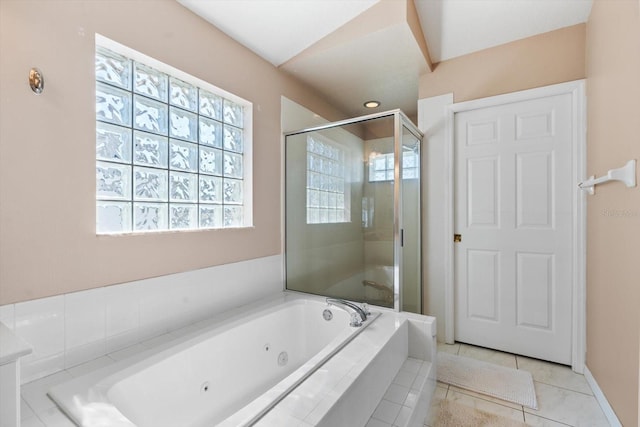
(277, 30)
(381, 65)
(458, 27)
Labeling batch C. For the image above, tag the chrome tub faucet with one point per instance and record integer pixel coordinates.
(359, 314)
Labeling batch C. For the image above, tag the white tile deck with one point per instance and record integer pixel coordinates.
(564, 397)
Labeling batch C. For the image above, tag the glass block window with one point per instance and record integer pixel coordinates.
(170, 153)
(381, 166)
(327, 195)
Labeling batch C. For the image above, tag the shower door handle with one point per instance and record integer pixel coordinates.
(402, 237)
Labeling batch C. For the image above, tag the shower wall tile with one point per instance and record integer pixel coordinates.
(71, 329)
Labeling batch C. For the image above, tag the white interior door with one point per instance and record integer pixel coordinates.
(514, 212)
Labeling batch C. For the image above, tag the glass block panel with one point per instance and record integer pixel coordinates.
(324, 216)
(183, 125)
(324, 199)
(409, 159)
(332, 215)
(233, 139)
(183, 156)
(210, 216)
(340, 201)
(150, 82)
(325, 182)
(168, 154)
(113, 181)
(113, 217)
(183, 217)
(379, 163)
(210, 189)
(113, 143)
(313, 198)
(328, 167)
(313, 180)
(310, 160)
(150, 149)
(113, 68)
(313, 216)
(233, 165)
(233, 216)
(113, 105)
(331, 200)
(389, 158)
(409, 173)
(333, 184)
(314, 163)
(183, 187)
(150, 115)
(232, 113)
(210, 161)
(232, 191)
(149, 184)
(150, 216)
(210, 132)
(210, 105)
(380, 176)
(183, 94)
(340, 216)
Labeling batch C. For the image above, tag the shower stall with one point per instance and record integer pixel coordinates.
(353, 211)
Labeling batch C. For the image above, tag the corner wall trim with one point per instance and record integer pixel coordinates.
(601, 399)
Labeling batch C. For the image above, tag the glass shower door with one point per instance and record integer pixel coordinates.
(352, 230)
(411, 259)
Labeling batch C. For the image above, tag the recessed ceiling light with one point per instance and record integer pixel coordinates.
(372, 104)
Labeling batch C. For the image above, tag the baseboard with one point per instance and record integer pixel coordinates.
(602, 400)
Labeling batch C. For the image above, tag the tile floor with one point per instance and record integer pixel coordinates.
(564, 397)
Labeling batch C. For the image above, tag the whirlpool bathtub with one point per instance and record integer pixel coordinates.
(236, 369)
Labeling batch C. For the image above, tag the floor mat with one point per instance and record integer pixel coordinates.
(504, 383)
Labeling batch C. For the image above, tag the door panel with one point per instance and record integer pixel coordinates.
(513, 208)
(483, 284)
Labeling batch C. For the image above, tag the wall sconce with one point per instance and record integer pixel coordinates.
(36, 81)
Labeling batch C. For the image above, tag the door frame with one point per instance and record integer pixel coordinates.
(579, 160)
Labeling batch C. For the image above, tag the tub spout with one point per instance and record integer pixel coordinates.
(359, 311)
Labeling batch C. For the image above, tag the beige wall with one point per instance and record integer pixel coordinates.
(613, 213)
(554, 57)
(47, 144)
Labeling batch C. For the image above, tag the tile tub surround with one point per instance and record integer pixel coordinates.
(68, 330)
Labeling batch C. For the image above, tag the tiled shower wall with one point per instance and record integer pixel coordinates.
(70, 329)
